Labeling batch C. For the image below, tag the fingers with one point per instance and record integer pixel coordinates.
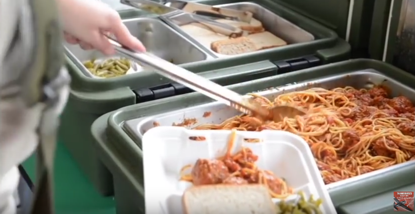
(85, 46)
(90, 36)
(70, 39)
(101, 43)
(124, 36)
(73, 40)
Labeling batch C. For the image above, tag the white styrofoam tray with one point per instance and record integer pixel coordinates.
(167, 149)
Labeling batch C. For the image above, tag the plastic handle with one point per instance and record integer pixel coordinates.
(214, 15)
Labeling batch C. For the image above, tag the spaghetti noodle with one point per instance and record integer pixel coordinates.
(350, 131)
(239, 168)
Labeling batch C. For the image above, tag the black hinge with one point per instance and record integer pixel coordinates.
(173, 89)
(288, 65)
(160, 91)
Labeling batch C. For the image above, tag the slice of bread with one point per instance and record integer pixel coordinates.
(228, 199)
(233, 46)
(266, 40)
(197, 29)
(255, 26)
(202, 34)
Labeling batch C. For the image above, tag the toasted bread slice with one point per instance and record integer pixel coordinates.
(233, 46)
(197, 30)
(266, 40)
(227, 199)
(202, 34)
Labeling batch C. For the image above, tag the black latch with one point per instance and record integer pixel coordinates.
(160, 91)
(285, 66)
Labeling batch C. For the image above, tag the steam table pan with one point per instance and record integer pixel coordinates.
(218, 112)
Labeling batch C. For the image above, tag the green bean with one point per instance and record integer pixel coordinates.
(297, 211)
(120, 64)
(120, 70)
(319, 202)
(108, 68)
(89, 64)
(115, 70)
(303, 206)
(127, 63)
(154, 9)
(96, 66)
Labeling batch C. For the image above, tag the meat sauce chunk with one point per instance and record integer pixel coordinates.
(380, 149)
(209, 172)
(407, 128)
(410, 116)
(378, 96)
(364, 99)
(275, 184)
(232, 165)
(401, 104)
(235, 165)
(390, 112)
(351, 138)
(332, 178)
(378, 92)
(235, 181)
(359, 112)
(323, 166)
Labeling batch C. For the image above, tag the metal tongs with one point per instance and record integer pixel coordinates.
(213, 12)
(205, 86)
(203, 19)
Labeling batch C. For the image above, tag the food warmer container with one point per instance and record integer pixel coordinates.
(118, 134)
(330, 25)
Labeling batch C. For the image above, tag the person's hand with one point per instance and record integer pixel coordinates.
(86, 21)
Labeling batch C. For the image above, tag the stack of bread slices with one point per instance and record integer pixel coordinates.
(257, 39)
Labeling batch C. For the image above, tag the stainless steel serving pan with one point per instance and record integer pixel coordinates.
(219, 112)
(156, 36)
(275, 24)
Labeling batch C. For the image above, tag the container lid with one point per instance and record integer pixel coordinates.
(168, 149)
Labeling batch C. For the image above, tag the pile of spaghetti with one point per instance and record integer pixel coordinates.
(239, 168)
(350, 131)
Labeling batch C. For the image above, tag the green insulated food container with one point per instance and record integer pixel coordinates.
(118, 134)
(395, 44)
(335, 30)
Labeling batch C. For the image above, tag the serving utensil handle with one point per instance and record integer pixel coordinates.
(186, 78)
